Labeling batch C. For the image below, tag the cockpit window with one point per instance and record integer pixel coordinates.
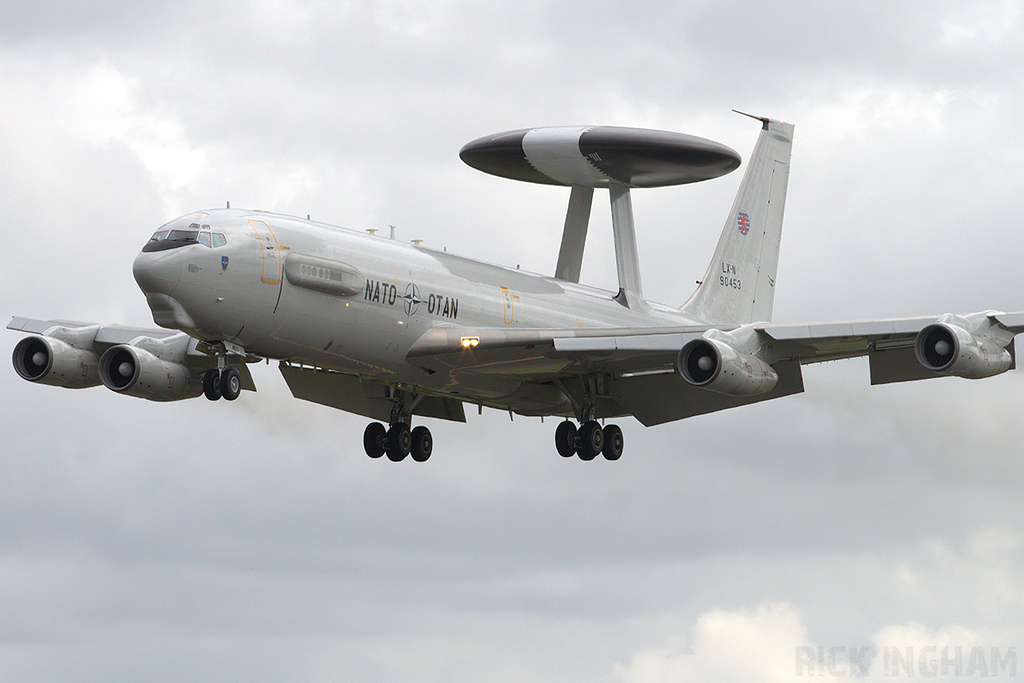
(164, 239)
(186, 236)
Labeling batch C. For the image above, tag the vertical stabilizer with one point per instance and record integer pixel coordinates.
(739, 286)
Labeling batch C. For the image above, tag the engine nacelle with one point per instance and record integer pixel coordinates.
(952, 350)
(50, 361)
(136, 372)
(715, 365)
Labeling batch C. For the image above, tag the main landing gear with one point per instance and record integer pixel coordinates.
(399, 440)
(588, 441)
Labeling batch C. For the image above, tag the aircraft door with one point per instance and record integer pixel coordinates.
(271, 252)
(508, 303)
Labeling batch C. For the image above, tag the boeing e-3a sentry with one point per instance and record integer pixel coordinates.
(394, 331)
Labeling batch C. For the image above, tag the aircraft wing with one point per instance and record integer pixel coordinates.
(73, 350)
(104, 336)
(638, 367)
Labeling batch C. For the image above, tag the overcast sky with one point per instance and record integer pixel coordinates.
(254, 541)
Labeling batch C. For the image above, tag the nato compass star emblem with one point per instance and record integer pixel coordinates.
(412, 299)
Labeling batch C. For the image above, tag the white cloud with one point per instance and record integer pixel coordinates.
(770, 643)
(973, 28)
(102, 107)
(727, 647)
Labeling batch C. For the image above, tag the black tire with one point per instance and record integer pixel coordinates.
(422, 444)
(565, 439)
(375, 439)
(591, 440)
(230, 384)
(211, 384)
(399, 442)
(612, 442)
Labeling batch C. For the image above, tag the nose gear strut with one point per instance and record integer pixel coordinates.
(222, 381)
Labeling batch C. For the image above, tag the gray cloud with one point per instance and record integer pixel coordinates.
(255, 542)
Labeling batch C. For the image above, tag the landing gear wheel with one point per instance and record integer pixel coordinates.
(230, 384)
(591, 440)
(422, 444)
(399, 442)
(565, 439)
(375, 439)
(211, 384)
(612, 442)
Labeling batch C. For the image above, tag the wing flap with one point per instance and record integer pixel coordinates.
(659, 398)
(901, 365)
(369, 399)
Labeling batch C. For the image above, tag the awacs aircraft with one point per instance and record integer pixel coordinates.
(392, 331)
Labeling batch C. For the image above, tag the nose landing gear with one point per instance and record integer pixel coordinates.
(224, 383)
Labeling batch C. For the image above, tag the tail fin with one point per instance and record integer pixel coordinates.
(739, 286)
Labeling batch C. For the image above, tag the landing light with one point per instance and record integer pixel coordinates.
(469, 342)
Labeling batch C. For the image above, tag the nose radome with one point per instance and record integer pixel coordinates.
(157, 272)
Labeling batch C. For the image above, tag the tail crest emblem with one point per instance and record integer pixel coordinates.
(743, 221)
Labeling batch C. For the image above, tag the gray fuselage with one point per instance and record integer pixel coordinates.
(323, 296)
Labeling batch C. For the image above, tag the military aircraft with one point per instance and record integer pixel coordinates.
(392, 330)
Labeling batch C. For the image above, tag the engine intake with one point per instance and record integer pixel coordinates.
(952, 350)
(136, 372)
(715, 365)
(50, 361)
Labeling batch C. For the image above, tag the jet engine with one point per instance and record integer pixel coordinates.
(51, 361)
(136, 372)
(715, 365)
(951, 350)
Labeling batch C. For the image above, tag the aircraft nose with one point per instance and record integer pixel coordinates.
(157, 272)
